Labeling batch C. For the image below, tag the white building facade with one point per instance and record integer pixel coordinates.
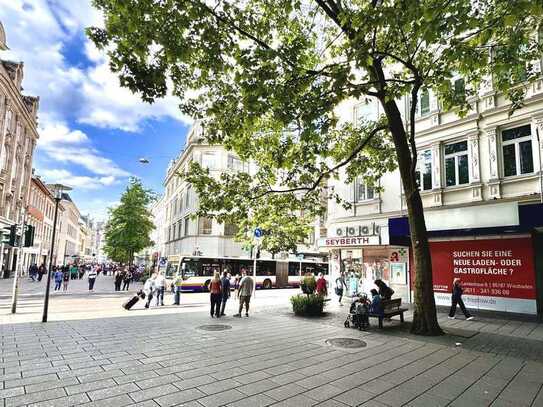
(481, 185)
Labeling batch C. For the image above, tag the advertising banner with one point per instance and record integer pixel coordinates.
(497, 274)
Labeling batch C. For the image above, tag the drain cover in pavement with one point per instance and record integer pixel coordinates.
(214, 327)
(349, 343)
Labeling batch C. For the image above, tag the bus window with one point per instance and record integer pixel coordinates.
(209, 266)
(189, 268)
(171, 270)
(294, 268)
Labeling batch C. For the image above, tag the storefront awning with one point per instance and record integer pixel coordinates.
(530, 218)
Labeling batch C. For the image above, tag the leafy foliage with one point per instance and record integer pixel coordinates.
(307, 305)
(267, 79)
(130, 225)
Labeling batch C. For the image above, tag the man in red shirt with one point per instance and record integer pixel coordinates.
(321, 286)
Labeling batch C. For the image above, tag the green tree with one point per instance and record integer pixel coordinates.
(130, 224)
(267, 77)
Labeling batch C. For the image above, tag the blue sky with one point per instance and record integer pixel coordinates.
(92, 132)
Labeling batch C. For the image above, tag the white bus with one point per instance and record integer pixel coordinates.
(198, 271)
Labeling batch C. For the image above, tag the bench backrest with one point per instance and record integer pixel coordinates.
(391, 305)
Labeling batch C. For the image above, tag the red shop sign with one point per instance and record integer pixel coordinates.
(496, 268)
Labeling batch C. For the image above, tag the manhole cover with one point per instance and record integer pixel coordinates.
(349, 343)
(214, 327)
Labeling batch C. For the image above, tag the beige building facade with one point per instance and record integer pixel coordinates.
(18, 137)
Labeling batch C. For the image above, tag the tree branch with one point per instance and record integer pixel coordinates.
(324, 174)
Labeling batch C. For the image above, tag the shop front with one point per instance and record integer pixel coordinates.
(362, 251)
(499, 265)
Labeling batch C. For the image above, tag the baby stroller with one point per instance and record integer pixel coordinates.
(359, 312)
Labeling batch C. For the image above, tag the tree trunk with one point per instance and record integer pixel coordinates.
(424, 313)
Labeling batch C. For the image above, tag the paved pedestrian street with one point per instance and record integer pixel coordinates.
(181, 357)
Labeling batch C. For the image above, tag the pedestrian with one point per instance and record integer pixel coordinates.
(177, 284)
(41, 271)
(126, 279)
(376, 306)
(91, 275)
(353, 284)
(65, 280)
(457, 292)
(246, 286)
(340, 285)
(74, 272)
(160, 283)
(225, 290)
(215, 297)
(118, 279)
(58, 278)
(384, 290)
(149, 288)
(33, 272)
(322, 288)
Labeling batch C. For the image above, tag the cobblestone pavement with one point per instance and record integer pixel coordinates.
(266, 359)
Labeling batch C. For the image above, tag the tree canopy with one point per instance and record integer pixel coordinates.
(130, 224)
(267, 79)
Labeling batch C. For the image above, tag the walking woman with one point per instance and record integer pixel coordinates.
(215, 289)
(91, 275)
(340, 285)
(457, 291)
(65, 280)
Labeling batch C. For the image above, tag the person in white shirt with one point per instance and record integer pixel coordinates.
(160, 283)
(91, 275)
(149, 289)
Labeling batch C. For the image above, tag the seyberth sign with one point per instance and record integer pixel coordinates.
(349, 241)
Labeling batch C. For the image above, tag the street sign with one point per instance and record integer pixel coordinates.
(163, 262)
(259, 233)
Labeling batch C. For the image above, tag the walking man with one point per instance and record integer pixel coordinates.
(33, 272)
(160, 283)
(126, 279)
(225, 283)
(340, 285)
(41, 271)
(149, 288)
(457, 299)
(246, 286)
(58, 278)
(92, 273)
(177, 283)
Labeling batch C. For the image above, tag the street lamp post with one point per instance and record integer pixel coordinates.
(57, 190)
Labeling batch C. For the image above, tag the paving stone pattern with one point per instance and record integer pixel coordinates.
(264, 360)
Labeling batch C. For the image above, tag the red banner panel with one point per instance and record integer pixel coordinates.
(494, 268)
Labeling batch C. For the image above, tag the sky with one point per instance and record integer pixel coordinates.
(92, 131)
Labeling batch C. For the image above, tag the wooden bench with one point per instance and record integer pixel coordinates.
(390, 308)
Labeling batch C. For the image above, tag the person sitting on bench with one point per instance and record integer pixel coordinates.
(384, 290)
(376, 307)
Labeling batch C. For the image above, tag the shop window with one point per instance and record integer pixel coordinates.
(424, 170)
(517, 151)
(204, 226)
(363, 192)
(456, 164)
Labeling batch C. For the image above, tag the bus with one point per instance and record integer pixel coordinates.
(197, 271)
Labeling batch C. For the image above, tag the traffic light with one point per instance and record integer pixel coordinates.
(9, 235)
(29, 236)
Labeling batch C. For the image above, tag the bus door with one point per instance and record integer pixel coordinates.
(281, 270)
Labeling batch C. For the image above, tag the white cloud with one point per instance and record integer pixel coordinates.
(86, 93)
(66, 146)
(65, 177)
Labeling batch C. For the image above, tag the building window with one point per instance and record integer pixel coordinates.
(363, 192)
(174, 233)
(187, 198)
(459, 88)
(368, 110)
(186, 229)
(425, 102)
(236, 164)
(517, 151)
(424, 170)
(209, 160)
(204, 226)
(230, 229)
(456, 164)
(179, 225)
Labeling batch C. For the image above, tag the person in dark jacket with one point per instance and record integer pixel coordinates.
(126, 280)
(225, 284)
(384, 290)
(376, 307)
(457, 292)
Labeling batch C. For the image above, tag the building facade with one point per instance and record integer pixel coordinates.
(480, 179)
(184, 236)
(18, 136)
(68, 229)
(40, 214)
